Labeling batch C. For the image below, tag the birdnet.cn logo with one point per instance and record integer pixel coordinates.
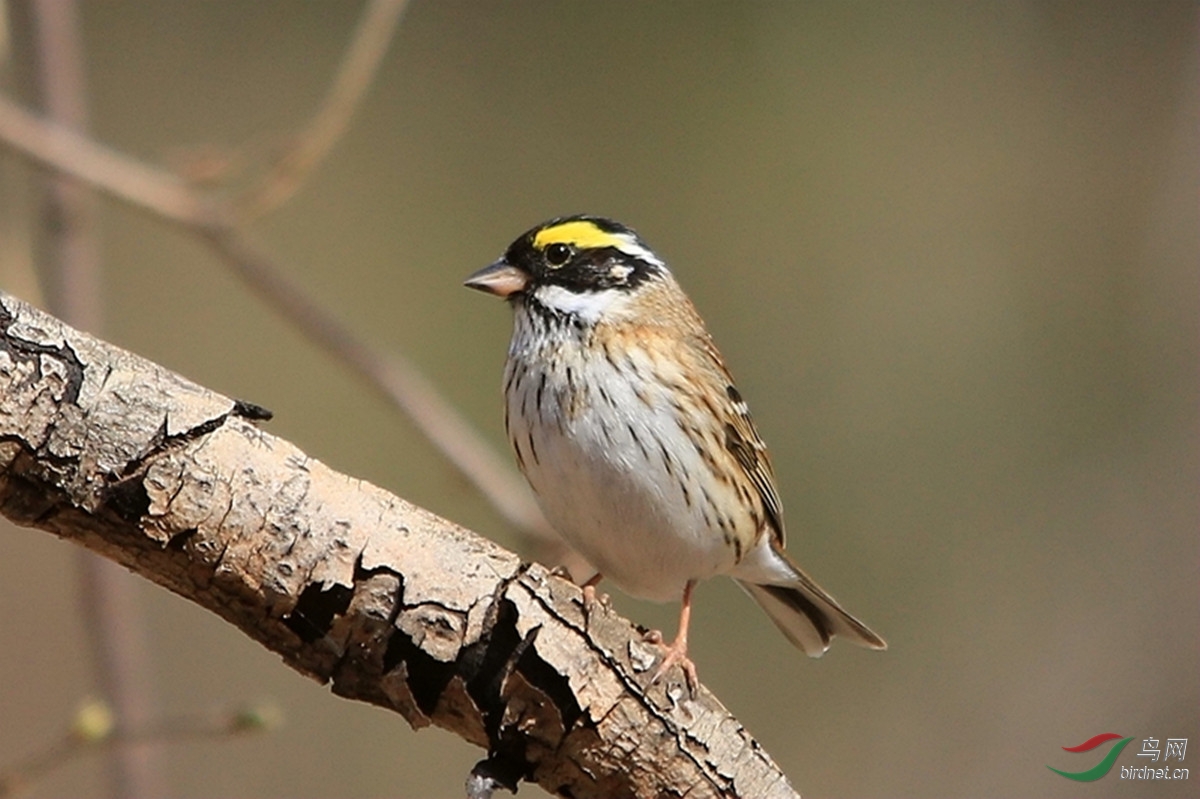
(1162, 759)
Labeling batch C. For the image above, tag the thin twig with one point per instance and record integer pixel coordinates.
(395, 378)
(310, 146)
(72, 265)
(113, 617)
(93, 730)
(104, 169)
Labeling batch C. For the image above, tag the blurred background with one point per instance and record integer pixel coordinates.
(950, 251)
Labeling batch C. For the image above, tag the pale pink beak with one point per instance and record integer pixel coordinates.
(501, 279)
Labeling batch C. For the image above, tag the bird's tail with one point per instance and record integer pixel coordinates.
(808, 616)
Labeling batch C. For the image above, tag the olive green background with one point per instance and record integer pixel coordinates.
(950, 251)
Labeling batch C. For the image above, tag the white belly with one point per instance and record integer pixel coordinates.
(617, 475)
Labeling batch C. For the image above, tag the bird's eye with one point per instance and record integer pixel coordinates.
(557, 254)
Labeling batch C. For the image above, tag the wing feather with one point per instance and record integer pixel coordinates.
(742, 439)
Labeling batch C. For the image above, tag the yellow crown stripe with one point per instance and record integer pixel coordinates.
(579, 233)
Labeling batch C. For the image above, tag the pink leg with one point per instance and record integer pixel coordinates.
(590, 598)
(677, 651)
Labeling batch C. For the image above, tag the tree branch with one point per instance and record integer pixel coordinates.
(385, 601)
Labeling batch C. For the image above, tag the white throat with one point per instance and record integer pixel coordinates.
(590, 306)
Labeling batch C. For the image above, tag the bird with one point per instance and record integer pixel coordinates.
(639, 448)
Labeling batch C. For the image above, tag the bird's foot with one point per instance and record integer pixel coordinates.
(592, 600)
(673, 654)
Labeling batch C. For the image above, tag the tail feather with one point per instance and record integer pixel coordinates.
(810, 617)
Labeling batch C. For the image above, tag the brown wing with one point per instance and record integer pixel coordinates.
(695, 355)
(742, 439)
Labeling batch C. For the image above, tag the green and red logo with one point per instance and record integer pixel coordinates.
(1104, 766)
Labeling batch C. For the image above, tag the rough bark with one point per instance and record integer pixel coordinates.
(353, 586)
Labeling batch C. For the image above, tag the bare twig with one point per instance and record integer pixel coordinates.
(395, 378)
(311, 145)
(69, 218)
(103, 168)
(112, 615)
(94, 728)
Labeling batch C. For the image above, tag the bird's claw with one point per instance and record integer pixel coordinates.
(673, 654)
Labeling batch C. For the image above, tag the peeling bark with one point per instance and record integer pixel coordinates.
(353, 586)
